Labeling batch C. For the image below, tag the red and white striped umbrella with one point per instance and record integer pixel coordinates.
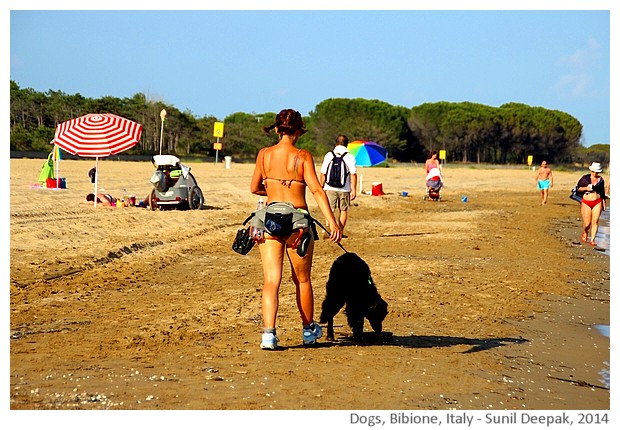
(97, 135)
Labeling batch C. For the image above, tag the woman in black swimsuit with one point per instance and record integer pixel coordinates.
(591, 188)
(282, 173)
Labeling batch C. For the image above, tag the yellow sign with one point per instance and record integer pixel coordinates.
(217, 146)
(218, 129)
(530, 159)
(442, 154)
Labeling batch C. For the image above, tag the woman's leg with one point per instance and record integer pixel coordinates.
(272, 256)
(301, 267)
(595, 215)
(586, 219)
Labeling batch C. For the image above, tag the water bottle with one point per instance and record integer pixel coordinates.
(258, 233)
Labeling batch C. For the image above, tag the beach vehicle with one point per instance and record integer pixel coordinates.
(174, 186)
(434, 185)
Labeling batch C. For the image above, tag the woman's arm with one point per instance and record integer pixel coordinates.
(582, 185)
(600, 188)
(256, 185)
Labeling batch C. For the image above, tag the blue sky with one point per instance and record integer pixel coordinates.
(217, 62)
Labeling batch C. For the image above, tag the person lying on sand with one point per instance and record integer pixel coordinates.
(104, 199)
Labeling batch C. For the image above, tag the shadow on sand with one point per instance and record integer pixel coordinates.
(412, 341)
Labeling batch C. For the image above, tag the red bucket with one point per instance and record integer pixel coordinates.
(56, 183)
(377, 189)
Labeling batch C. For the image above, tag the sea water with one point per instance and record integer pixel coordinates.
(604, 373)
(603, 329)
(603, 234)
(603, 245)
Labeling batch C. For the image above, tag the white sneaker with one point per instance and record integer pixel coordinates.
(269, 341)
(310, 336)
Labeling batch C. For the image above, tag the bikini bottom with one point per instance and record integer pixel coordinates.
(592, 203)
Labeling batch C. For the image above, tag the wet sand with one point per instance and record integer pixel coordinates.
(493, 303)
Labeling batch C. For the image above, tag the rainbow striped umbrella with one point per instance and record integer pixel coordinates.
(97, 135)
(367, 153)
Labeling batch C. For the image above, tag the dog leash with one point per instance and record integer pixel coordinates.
(326, 231)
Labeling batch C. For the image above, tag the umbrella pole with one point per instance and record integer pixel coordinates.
(56, 165)
(361, 181)
(96, 180)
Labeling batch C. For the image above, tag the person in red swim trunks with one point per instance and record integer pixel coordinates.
(591, 188)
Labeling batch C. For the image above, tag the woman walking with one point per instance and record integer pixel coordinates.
(282, 173)
(591, 188)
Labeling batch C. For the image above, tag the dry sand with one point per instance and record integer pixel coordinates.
(492, 303)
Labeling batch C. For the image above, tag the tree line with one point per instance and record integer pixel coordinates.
(468, 132)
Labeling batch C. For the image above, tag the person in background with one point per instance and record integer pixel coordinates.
(591, 188)
(432, 162)
(340, 198)
(92, 174)
(102, 198)
(544, 181)
(283, 173)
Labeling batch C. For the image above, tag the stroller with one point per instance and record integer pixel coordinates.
(173, 185)
(434, 184)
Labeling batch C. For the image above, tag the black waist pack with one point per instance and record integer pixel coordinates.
(281, 219)
(278, 223)
(277, 219)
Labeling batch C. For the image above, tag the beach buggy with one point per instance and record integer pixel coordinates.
(173, 185)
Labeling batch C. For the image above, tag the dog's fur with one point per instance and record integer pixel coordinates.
(351, 284)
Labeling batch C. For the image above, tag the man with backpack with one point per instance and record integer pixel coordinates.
(338, 176)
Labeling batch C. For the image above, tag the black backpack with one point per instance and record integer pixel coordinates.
(337, 171)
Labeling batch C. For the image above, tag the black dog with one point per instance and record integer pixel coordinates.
(350, 284)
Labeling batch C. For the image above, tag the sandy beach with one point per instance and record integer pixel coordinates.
(493, 303)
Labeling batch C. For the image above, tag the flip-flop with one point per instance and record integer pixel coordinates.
(584, 237)
(593, 243)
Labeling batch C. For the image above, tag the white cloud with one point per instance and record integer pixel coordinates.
(573, 84)
(576, 81)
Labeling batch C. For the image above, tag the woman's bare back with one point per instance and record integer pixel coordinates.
(283, 174)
